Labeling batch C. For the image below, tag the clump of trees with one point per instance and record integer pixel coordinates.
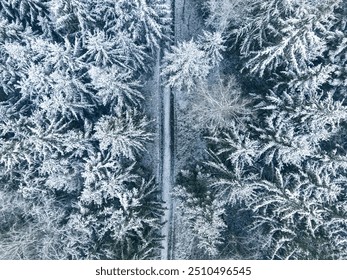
(73, 130)
(267, 84)
(274, 132)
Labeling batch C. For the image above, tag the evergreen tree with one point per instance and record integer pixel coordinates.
(186, 66)
(73, 131)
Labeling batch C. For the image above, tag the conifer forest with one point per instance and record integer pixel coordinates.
(173, 129)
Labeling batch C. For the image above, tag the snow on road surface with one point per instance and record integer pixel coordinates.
(166, 172)
(166, 161)
(181, 19)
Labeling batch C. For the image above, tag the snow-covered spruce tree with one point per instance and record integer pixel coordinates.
(285, 168)
(317, 121)
(187, 65)
(222, 14)
(120, 208)
(300, 214)
(285, 162)
(69, 145)
(219, 114)
(43, 237)
(115, 86)
(286, 36)
(26, 11)
(338, 46)
(201, 217)
(146, 21)
(213, 44)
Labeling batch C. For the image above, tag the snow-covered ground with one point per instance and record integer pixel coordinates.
(166, 164)
(166, 172)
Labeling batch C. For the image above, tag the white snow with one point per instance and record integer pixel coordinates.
(166, 160)
(166, 171)
(184, 26)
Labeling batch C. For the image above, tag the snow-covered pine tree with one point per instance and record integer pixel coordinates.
(284, 166)
(70, 147)
(338, 47)
(285, 36)
(112, 207)
(186, 66)
(199, 215)
(285, 162)
(69, 17)
(213, 44)
(146, 22)
(26, 11)
(221, 15)
(33, 229)
(123, 135)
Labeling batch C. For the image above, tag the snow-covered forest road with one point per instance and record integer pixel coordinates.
(181, 27)
(166, 159)
(167, 172)
(173, 129)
